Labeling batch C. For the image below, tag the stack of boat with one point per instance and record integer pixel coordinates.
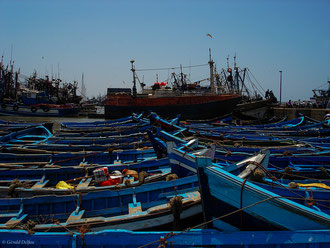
(142, 181)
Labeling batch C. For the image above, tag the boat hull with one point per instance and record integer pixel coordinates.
(265, 210)
(190, 107)
(192, 238)
(256, 109)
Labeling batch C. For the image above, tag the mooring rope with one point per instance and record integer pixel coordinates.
(171, 234)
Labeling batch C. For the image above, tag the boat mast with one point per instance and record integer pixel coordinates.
(134, 78)
(83, 88)
(211, 72)
(183, 82)
(16, 84)
(236, 77)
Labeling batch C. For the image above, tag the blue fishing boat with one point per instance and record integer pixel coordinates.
(97, 140)
(97, 123)
(283, 160)
(16, 125)
(102, 209)
(111, 131)
(42, 173)
(31, 135)
(153, 239)
(311, 159)
(76, 148)
(71, 159)
(248, 206)
(45, 183)
(292, 171)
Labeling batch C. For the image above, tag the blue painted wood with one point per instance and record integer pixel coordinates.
(221, 188)
(96, 123)
(72, 159)
(32, 135)
(101, 203)
(193, 238)
(64, 173)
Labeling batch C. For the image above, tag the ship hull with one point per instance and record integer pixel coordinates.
(253, 110)
(190, 107)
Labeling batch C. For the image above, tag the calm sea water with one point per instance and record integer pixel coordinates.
(55, 120)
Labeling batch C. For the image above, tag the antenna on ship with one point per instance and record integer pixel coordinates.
(11, 53)
(211, 72)
(183, 84)
(58, 70)
(236, 77)
(83, 88)
(134, 78)
(235, 67)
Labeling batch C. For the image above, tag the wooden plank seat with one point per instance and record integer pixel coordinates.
(75, 215)
(40, 185)
(135, 207)
(14, 221)
(84, 183)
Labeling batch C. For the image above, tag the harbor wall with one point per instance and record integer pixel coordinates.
(292, 113)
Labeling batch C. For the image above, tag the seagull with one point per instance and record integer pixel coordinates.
(209, 35)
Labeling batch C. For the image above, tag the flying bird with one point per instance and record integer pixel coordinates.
(209, 35)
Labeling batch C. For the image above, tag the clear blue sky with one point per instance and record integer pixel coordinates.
(99, 38)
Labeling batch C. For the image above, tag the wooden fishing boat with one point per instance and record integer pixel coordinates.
(42, 176)
(74, 158)
(103, 127)
(105, 212)
(111, 204)
(97, 140)
(297, 170)
(84, 184)
(300, 123)
(103, 132)
(284, 124)
(126, 119)
(283, 161)
(243, 137)
(256, 208)
(52, 174)
(313, 159)
(195, 237)
(315, 130)
(16, 126)
(312, 193)
(46, 148)
(31, 135)
(136, 217)
(316, 199)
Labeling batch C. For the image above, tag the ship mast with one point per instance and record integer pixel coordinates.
(134, 78)
(211, 72)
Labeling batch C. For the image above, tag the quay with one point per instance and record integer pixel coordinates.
(292, 113)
